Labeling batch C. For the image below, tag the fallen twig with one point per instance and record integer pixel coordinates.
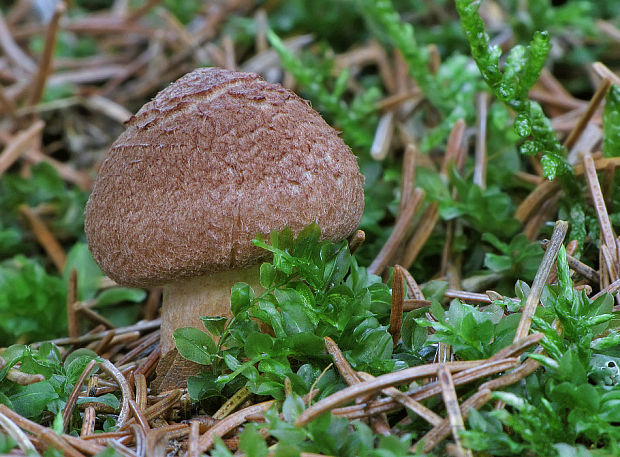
(18, 145)
(559, 232)
(398, 297)
(377, 384)
(231, 422)
(400, 228)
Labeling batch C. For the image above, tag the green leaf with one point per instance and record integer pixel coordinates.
(295, 320)
(280, 368)
(292, 407)
(271, 316)
(306, 343)
(412, 334)
(522, 290)
(78, 353)
(240, 297)
(284, 450)
(214, 324)
(30, 401)
(610, 407)
(571, 368)
(195, 345)
(107, 399)
(438, 312)
(4, 400)
(566, 284)
(375, 345)
(58, 424)
(497, 263)
(551, 163)
(606, 342)
(32, 302)
(220, 449)
(203, 386)
(246, 369)
(545, 360)
(267, 275)
(10, 240)
(76, 365)
(566, 450)
(251, 442)
(258, 344)
(434, 290)
(13, 353)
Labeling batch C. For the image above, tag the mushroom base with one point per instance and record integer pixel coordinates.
(184, 302)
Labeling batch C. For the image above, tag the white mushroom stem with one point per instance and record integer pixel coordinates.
(185, 301)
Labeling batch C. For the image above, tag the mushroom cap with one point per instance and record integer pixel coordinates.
(213, 160)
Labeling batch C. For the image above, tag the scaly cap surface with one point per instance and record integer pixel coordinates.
(214, 159)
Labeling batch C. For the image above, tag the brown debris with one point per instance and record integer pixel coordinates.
(45, 62)
(451, 402)
(398, 298)
(596, 100)
(399, 231)
(231, 422)
(18, 145)
(540, 279)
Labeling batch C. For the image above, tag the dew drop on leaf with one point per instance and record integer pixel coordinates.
(505, 91)
(530, 147)
(523, 127)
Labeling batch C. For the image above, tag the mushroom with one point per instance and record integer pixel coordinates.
(215, 159)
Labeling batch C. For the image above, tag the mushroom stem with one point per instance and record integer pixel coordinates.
(185, 301)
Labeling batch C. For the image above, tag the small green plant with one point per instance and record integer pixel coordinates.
(312, 290)
(274, 346)
(512, 83)
(574, 15)
(326, 435)
(486, 210)
(451, 90)
(51, 394)
(581, 320)
(43, 187)
(31, 301)
(519, 259)
(473, 333)
(575, 399)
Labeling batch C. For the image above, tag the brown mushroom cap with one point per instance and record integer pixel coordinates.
(213, 160)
